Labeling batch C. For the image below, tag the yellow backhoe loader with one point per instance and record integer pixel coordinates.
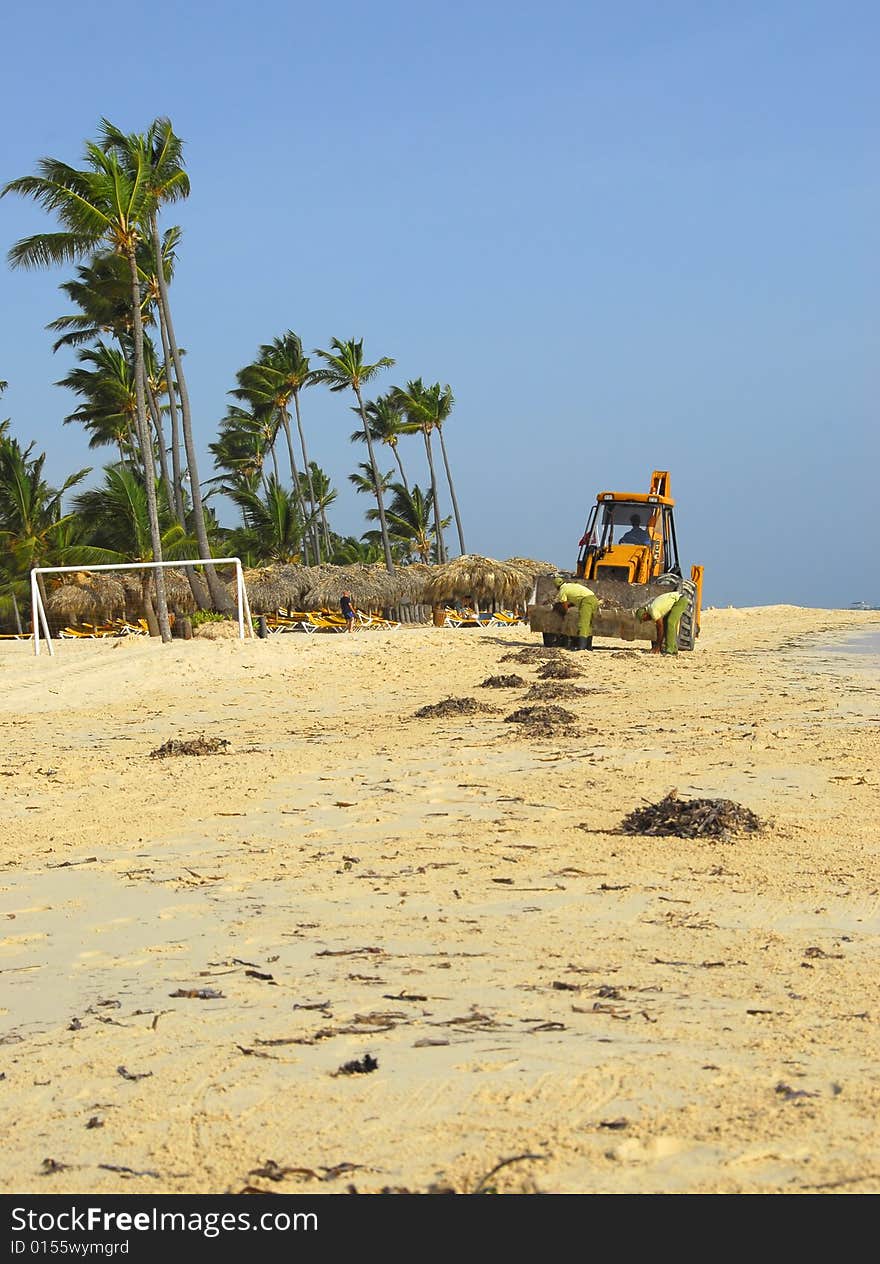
(628, 555)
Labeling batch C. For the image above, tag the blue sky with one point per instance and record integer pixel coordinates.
(629, 236)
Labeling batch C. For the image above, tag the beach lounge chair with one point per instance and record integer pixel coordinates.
(504, 619)
(324, 621)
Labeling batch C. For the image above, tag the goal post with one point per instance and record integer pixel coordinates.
(242, 605)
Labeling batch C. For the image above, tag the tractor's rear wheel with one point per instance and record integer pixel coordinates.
(687, 629)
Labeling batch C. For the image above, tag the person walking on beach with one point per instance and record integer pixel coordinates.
(586, 603)
(666, 611)
(348, 610)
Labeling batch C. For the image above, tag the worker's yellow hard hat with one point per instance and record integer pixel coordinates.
(558, 580)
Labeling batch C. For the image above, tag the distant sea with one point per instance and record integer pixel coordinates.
(857, 643)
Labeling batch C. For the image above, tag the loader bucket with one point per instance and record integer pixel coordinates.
(616, 616)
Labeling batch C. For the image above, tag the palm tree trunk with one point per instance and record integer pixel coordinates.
(452, 493)
(294, 475)
(441, 547)
(219, 595)
(146, 448)
(175, 425)
(308, 471)
(400, 466)
(160, 443)
(196, 587)
(386, 545)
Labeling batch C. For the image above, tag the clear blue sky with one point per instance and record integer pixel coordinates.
(628, 236)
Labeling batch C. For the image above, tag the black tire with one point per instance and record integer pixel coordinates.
(551, 638)
(687, 634)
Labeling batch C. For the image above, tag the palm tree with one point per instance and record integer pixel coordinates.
(324, 493)
(31, 518)
(387, 424)
(441, 402)
(417, 403)
(116, 524)
(273, 525)
(267, 396)
(159, 156)
(245, 440)
(102, 292)
(109, 408)
(278, 376)
(409, 520)
(107, 204)
(346, 370)
(348, 551)
(365, 482)
(115, 521)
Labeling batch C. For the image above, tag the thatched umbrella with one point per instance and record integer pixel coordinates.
(531, 566)
(73, 601)
(109, 592)
(265, 589)
(370, 586)
(483, 578)
(178, 591)
(293, 582)
(88, 596)
(411, 581)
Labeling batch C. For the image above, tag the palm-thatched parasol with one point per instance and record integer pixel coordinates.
(266, 591)
(483, 578)
(88, 595)
(73, 601)
(371, 586)
(533, 567)
(293, 582)
(411, 580)
(178, 591)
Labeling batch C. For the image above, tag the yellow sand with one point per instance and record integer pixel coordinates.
(449, 896)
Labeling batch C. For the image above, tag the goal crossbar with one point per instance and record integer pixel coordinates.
(245, 624)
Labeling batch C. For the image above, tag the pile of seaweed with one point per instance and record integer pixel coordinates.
(190, 746)
(502, 682)
(556, 690)
(558, 669)
(691, 818)
(542, 721)
(531, 654)
(451, 706)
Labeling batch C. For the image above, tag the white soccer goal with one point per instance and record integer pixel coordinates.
(243, 609)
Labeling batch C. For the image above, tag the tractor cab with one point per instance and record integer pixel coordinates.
(630, 537)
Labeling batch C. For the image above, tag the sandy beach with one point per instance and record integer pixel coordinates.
(194, 947)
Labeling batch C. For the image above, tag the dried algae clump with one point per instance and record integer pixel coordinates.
(542, 721)
(190, 746)
(692, 818)
(558, 670)
(451, 706)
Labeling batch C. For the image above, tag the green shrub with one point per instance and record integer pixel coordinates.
(207, 616)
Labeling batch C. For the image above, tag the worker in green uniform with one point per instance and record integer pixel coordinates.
(665, 611)
(586, 603)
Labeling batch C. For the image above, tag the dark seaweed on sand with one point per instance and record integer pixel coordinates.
(190, 746)
(536, 722)
(451, 706)
(691, 818)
